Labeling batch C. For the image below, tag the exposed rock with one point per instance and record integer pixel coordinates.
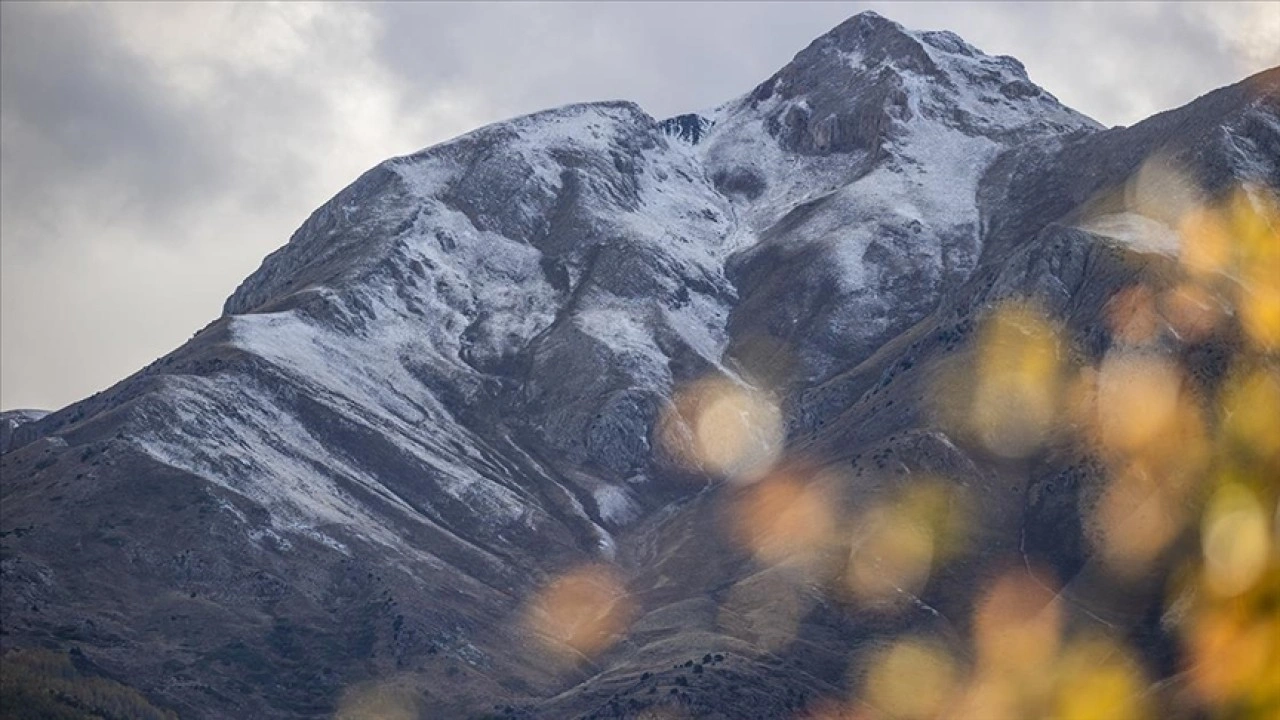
(447, 386)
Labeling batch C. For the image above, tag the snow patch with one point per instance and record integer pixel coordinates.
(1135, 231)
(615, 504)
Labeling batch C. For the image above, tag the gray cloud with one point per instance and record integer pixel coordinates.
(151, 154)
(85, 107)
(1119, 62)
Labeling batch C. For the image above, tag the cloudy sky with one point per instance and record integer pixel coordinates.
(152, 154)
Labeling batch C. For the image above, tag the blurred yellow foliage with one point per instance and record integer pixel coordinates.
(1181, 447)
(1250, 417)
(1234, 652)
(1255, 224)
(583, 611)
(1137, 399)
(1134, 521)
(726, 428)
(1133, 317)
(1240, 238)
(1205, 245)
(913, 679)
(1017, 626)
(1192, 311)
(1097, 679)
(388, 700)
(1235, 539)
(1017, 383)
(891, 555)
(785, 519)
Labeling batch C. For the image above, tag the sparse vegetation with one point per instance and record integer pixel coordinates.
(37, 684)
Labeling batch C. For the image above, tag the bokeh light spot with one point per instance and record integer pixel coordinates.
(890, 556)
(785, 520)
(582, 611)
(1018, 380)
(1235, 540)
(380, 701)
(913, 679)
(1017, 626)
(725, 428)
(1098, 680)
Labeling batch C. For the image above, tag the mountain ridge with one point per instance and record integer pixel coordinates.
(455, 380)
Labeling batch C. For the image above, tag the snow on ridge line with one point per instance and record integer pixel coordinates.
(572, 122)
(480, 279)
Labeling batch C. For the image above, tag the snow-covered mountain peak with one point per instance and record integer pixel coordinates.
(866, 92)
(574, 265)
(885, 134)
(505, 316)
(490, 361)
(853, 85)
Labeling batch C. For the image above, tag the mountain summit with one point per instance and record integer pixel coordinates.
(480, 368)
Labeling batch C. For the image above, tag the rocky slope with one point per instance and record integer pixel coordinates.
(453, 384)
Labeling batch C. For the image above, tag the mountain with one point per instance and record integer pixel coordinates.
(471, 373)
(10, 420)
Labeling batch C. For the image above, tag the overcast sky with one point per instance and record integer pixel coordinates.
(152, 154)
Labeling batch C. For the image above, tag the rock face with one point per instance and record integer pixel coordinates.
(11, 420)
(448, 386)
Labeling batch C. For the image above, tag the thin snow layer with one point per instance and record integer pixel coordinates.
(1248, 139)
(476, 279)
(957, 127)
(259, 453)
(498, 279)
(439, 305)
(928, 183)
(672, 222)
(928, 188)
(874, 159)
(739, 141)
(995, 92)
(460, 275)
(367, 379)
(615, 504)
(445, 297)
(623, 330)
(258, 449)
(11, 420)
(702, 325)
